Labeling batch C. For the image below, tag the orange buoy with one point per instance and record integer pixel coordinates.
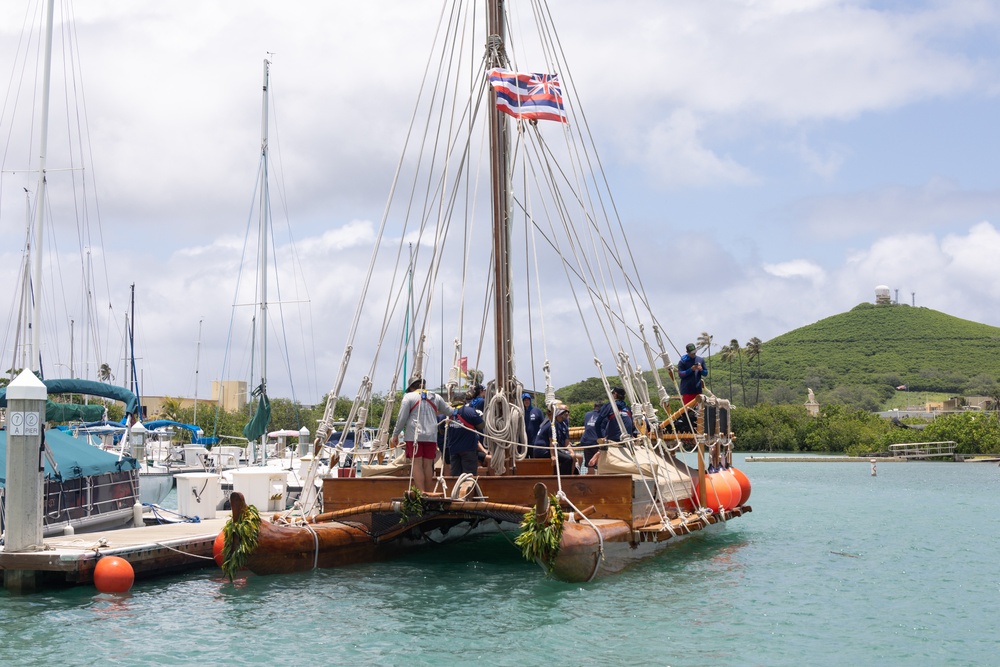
(744, 485)
(734, 487)
(720, 496)
(113, 575)
(220, 542)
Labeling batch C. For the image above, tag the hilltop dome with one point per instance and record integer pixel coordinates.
(882, 294)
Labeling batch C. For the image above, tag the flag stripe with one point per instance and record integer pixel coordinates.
(530, 96)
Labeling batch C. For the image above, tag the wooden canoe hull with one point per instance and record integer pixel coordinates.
(591, 550)
(282, 549)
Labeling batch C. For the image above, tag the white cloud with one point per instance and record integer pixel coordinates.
(676, 155)
(797, 268)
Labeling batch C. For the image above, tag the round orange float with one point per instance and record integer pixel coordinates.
(719, 494)
(734, 487)
(744, 485)
(113, 575)
(217, 546)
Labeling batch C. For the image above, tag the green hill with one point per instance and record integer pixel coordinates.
(886, 346)
(859, 358)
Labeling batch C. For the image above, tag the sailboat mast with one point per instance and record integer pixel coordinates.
(262, 325)
(197, 359)
(43, 146)
(262, 251)
(502, 303)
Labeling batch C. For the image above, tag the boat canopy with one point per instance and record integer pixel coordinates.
(88, 387)
(68, 412)
(74, 457)
(195, 430)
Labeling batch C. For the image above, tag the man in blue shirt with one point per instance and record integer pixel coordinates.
(588, 441)
(607, 426)
(532, 418)
(543, 442)
(692, 369)
(463, 439)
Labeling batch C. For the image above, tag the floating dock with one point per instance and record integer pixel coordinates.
(823, 459)
(151, 550)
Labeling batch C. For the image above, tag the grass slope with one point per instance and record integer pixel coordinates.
(871, 349)
(883, 346)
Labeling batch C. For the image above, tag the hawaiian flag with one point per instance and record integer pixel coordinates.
(530, 96)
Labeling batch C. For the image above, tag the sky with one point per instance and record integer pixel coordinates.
(784, 158)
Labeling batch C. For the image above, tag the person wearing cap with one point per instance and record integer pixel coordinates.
(607, 426)
(588, 441)
(463, 439)
(474, 396)
(692, 369)
(418, 422)
(533, 418)
(542, 448)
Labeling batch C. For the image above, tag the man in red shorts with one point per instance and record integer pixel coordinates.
(418, 422)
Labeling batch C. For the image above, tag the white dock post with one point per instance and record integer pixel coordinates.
(26, 397)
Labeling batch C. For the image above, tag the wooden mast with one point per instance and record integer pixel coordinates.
(502, 306)
(496, 56)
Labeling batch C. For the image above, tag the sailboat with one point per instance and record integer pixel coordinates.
(85, 487)
(266, 448)
(556, 251)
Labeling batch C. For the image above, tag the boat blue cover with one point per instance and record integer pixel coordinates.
(89, 387)
(195, 439)
(74, 457)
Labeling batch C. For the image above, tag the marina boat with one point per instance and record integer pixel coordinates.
(284, 459)
(560, 282)
(86, 487)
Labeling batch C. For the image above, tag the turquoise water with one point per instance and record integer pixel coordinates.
(833, 567)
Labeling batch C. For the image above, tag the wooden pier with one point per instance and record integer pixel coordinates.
(151, 550)
(925, 450)
(910, 451)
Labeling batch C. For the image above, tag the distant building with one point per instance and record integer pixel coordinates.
(882, 297)
(233, 392)
(812, 406)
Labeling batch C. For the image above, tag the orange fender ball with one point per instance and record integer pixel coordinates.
(113, 575)
(734, 487)
(719, 494)
(220, 542)
(744, 485)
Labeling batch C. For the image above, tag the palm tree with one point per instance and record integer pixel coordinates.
(728, 353)
(737, 351)
(705, 343)
(753, 352)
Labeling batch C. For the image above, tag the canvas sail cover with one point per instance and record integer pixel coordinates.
(86, 387)
(75, 457)
(671, 481)
(66, 412)
(257, 426)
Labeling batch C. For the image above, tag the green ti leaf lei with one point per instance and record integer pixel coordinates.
(539, 541)
(240, 541)
(411, 507)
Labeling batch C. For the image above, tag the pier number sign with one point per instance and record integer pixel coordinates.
(23, 423)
